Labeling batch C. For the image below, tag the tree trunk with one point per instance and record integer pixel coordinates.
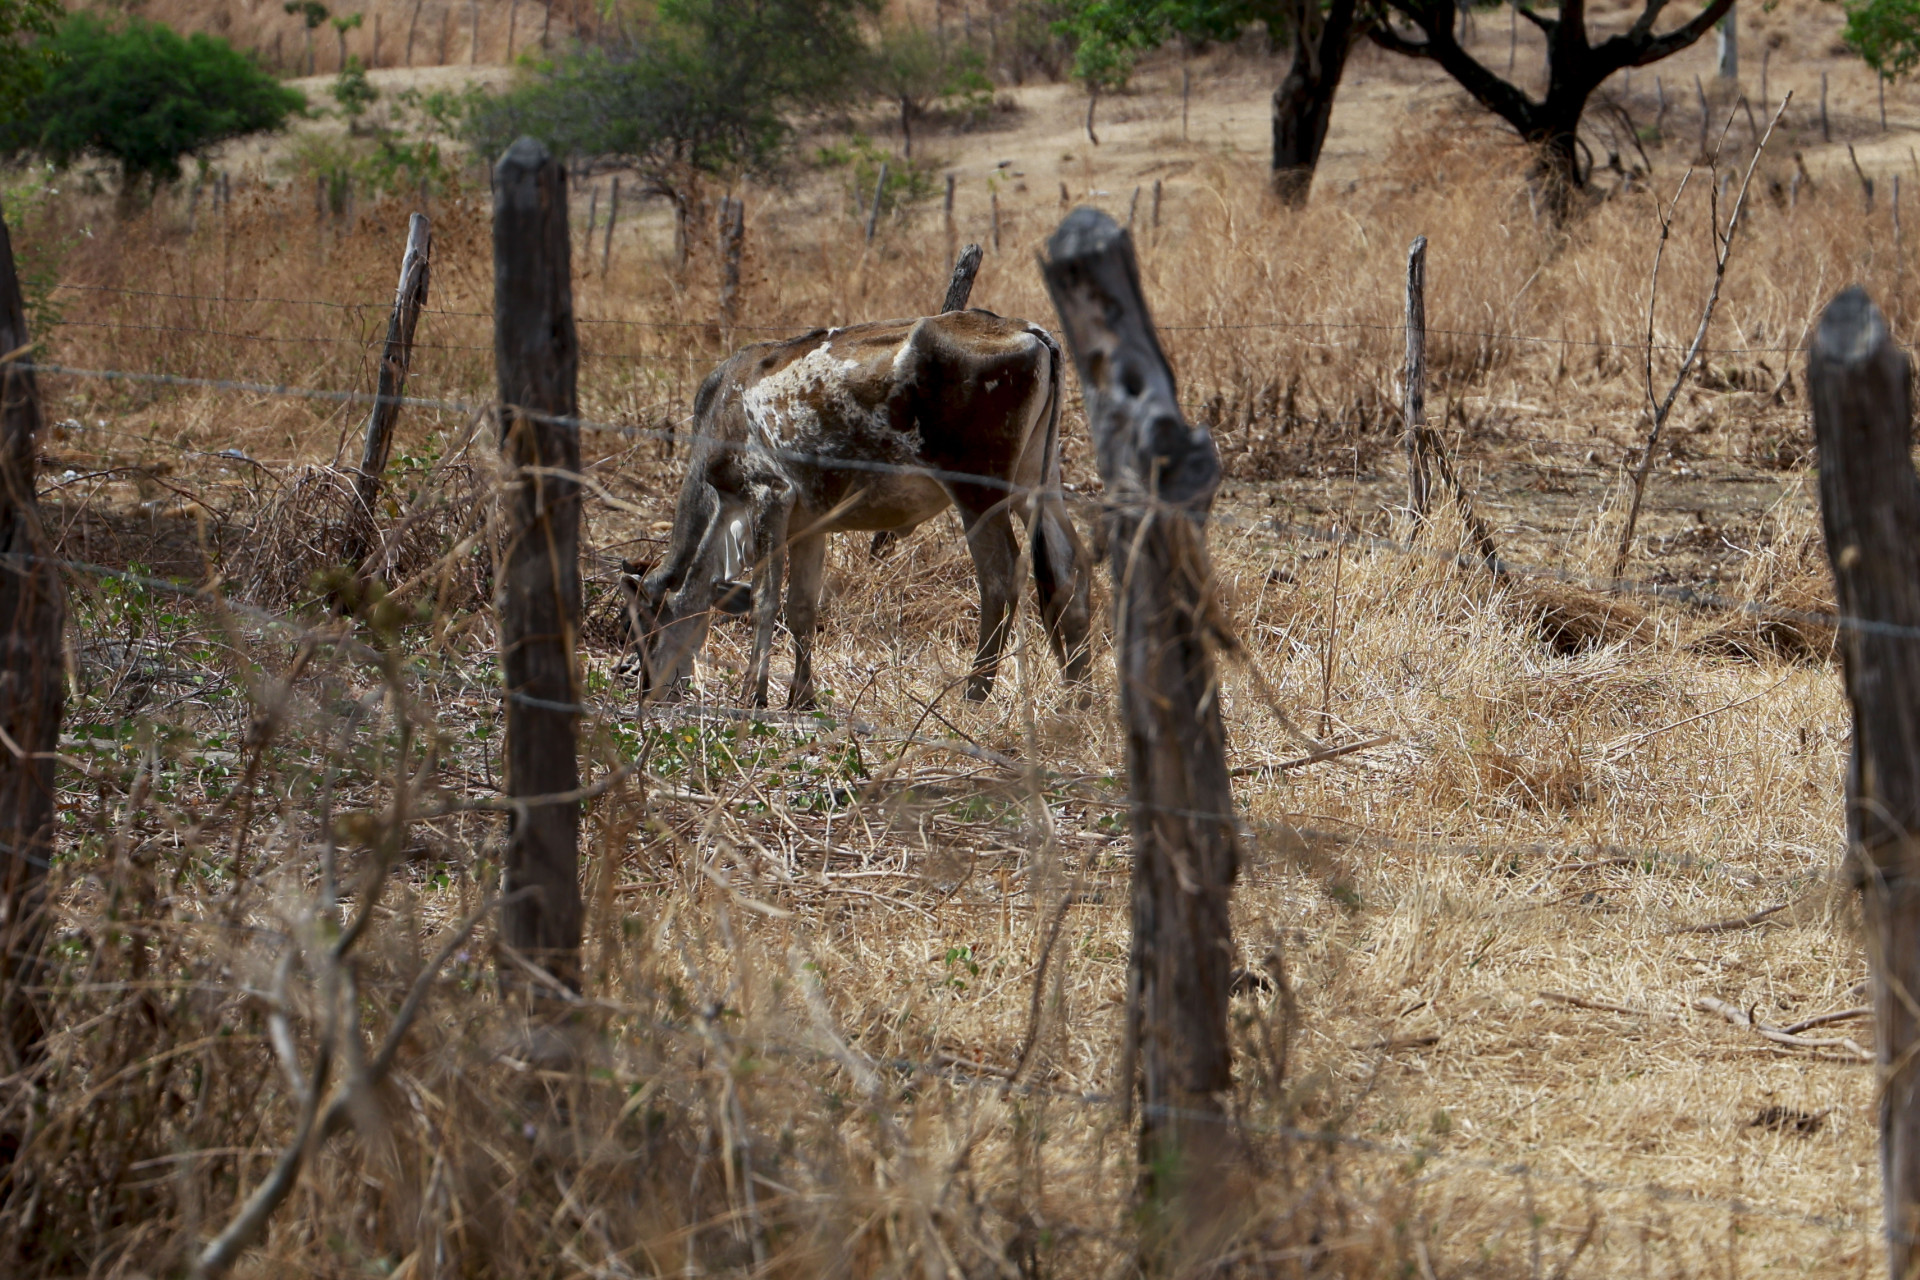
(1303, 102)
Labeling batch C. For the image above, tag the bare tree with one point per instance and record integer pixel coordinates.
(1575, 68)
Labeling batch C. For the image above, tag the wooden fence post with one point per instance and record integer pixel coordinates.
(1414, 407)
(952, 236)
(879, 190)
(960, 288)
(33, 685)
(1859, 382)
(395, 359)
(613, 214)
(733, 233)
(537, 354)
(1160, 475)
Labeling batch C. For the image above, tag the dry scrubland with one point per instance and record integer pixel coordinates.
(818, 949)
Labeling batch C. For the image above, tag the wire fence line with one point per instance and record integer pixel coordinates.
(1268, 526)
(797, 329)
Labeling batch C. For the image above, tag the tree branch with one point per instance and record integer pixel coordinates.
(1681, 37)
(1435, 18)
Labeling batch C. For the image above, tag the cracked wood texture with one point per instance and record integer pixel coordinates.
(537, 356)
(33, 687)
(1160, 475)
(1860, 383)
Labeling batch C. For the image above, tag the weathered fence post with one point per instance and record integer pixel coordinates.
(952, 235)
(33, 684)
(395, 359)
(993, 205)
(539, 597)
(960, 288)
(1859, 381)
(1826, 127)
(733, 231)
(879, 190)
(613, 213)
(1414, 407)
(1160, 475)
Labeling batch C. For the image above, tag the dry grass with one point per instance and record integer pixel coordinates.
(813, 945)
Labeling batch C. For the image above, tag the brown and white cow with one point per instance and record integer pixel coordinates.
(872, 427)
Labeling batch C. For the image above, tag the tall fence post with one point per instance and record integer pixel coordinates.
(539, 598)
(960, 288)
(1414, 407)
(873, 213)
(733, 231)
(613, 214)
(1859, 382)
(1160, 476)
(33, 684)
(396, 357)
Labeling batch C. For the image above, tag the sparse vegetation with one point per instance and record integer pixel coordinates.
(819, 1036)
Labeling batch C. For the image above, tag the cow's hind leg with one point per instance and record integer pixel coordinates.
(1062, 580)
(806, 561)
(771, 501)
(996, 563)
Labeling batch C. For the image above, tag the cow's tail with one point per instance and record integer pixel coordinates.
(1056, 397)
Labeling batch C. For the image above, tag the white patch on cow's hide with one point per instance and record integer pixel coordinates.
(778, 406)
(992, 383)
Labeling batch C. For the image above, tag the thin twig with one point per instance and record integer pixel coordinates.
(1778, 1035)
(1723, 250)
(1744, 922)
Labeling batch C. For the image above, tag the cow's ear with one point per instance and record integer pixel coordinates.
(735, 598)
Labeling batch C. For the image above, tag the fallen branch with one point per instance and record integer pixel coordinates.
(1744, 922)
(1822, 1019)
(1582, 1002)
(1315, 757)
(1778, 1035)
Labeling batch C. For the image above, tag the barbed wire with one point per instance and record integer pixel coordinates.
(1186, 326)
(1671, 593)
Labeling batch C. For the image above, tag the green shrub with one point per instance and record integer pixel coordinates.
(144, 97)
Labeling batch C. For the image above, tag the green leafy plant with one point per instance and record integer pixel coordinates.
(712, 88)
(144, 97)
(352, 90)
(311, 14)
(341, 25)
(906, 184)
(1886, 34)
(25, 56)
(911, 67)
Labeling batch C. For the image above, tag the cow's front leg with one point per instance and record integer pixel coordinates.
(772, 502)
(997, 564)
(806, 560)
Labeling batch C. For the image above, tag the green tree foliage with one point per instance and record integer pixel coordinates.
(710, 87)
(144, 97)
(25, 56)
(1111, 35)
(352, 90)
(1886, 33)
(911, 67)
(311, 14)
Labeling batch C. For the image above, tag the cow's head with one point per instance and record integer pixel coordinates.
(666, 627)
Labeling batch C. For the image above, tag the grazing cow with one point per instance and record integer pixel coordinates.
(873, 427)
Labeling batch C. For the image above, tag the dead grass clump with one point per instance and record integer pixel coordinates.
(1789, 589)
(315, 524)
(1570, 619)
